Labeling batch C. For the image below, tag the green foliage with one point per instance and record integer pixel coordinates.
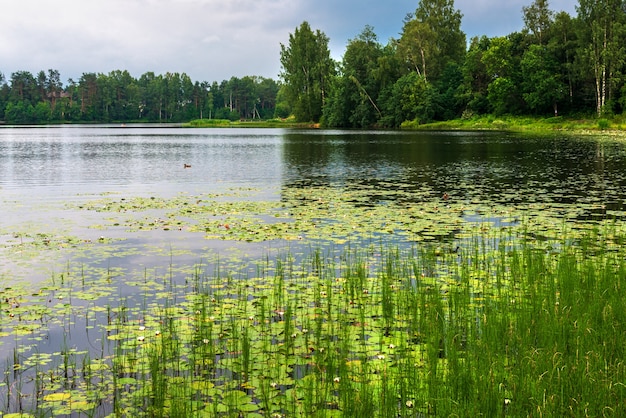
(448, 95)
(306, 70)
(412, 99)
(538, 19)
(602, 30)
(475, 77)
(117, 96)
(21, 112)
(500, 92)
(433, 38)
(354, 99)
(543, 88)
(603, 124)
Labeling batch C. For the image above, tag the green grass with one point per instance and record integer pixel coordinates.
(524, 123)
(255, 123)
(373, 311)
(471, 123)
(504, 327)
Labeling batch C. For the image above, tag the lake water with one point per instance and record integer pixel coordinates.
(45, 169)
(58, 163)
(69, 208)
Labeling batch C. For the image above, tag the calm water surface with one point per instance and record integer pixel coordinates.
(44, 168)
(60, 163)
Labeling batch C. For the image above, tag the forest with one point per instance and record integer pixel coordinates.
(558, 65)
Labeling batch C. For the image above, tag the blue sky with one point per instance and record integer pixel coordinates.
(210, 40)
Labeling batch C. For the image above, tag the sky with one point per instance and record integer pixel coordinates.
(209, 40)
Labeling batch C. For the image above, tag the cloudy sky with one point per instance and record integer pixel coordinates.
(210, 40)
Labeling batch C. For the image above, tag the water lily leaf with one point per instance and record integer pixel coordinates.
(57, 397)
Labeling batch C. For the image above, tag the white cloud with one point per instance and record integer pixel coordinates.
(210, 40)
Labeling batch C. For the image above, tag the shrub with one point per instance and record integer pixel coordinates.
(603, 124)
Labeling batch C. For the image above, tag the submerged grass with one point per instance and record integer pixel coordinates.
(505, 325)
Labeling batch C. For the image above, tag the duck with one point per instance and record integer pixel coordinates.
(186, 165)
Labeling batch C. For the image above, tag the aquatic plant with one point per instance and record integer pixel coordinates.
(501, 326)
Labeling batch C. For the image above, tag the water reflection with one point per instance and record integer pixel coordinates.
(94, 159)
(499, 167)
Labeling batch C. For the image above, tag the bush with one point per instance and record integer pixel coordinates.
(554, 120)
(603, 124)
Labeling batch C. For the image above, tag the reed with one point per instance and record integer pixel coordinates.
(503, 325)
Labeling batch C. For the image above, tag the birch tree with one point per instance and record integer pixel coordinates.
(432, 38)
(602, 45)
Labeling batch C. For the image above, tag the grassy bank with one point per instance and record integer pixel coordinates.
(488, 122)
(270, 123)
(514, 123)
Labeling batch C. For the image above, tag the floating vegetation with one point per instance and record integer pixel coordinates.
(504, 325)
(365, 298)
(340, 215)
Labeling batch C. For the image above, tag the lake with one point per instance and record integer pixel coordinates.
(116, 210)
(49, 174)
(43, 169)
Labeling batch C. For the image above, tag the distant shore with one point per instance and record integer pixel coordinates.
(525, 124)
(478, 123)
(579, 125)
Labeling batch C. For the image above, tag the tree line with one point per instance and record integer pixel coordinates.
(556, 65)
(118, 96)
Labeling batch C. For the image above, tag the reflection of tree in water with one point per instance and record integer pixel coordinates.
(489, 167)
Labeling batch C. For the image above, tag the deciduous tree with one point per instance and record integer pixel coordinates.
(538, 18)
(543, 88)
(306, 71)
(354, 102)
(432, 38)
(603, 30)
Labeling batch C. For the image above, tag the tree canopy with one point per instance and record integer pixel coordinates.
(118, 96)
(556, 65)
(307, 69)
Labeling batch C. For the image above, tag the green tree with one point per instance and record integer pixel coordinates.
(353, 102)
(23, 87)
(500, 67)
(603, 30)
(306, 71)
(4, 95)
(41, 87)
(538, 18)
(152, 87)
(412, 99)
(19, 112)
(416, 45)
(562, 46)
(542, 84)
(54, 87)
(432, 38)
(123, 97)
(267, 90)
(41, 113)
(283, 108)
(448, 97)
(476, 79)
(200, 98)
(88, 96)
